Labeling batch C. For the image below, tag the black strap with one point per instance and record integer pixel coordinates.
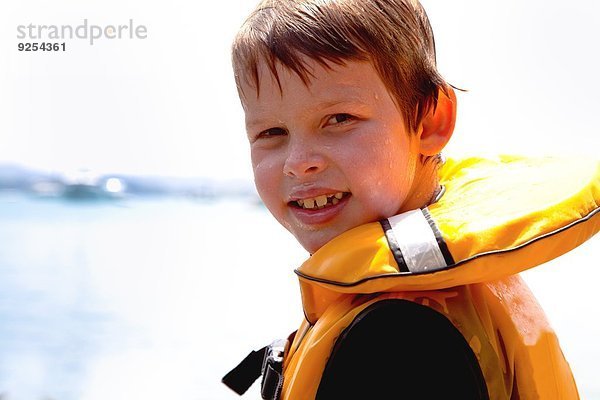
(246, 373)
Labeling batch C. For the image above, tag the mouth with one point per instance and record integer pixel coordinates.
(319, 202)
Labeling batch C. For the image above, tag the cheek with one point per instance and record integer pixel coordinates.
(262, 164)
(385, 174)
(267, 178)
(383, 159)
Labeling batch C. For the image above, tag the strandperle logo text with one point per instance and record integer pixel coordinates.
(86, 31)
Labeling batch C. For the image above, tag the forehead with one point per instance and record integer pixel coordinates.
(353, 81)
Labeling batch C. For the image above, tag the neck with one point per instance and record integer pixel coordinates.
(425, 185)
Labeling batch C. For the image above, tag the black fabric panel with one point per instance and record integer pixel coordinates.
(396, 349)
(391, 239)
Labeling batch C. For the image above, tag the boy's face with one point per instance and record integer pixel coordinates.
(329, 156)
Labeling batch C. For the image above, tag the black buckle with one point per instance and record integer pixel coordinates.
(267, 362)
(272, 370)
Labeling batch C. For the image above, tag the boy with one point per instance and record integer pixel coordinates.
(346, 116)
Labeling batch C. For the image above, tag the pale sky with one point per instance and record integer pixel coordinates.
(167, 104)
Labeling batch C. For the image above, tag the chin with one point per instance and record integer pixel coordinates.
(313, 240)
(312, 244)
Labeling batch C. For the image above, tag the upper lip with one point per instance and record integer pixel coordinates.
(307, 193)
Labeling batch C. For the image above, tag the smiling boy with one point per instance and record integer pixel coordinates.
(346, 116)
(334, 152)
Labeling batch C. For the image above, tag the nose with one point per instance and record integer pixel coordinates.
(303, 158)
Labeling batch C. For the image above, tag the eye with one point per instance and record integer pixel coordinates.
(272, 132)
(340, 119)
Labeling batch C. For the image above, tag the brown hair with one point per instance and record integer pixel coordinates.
(395, 35)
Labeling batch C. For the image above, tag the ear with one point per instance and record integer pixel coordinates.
(437, 126)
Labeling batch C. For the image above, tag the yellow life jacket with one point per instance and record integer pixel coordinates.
(459, 256)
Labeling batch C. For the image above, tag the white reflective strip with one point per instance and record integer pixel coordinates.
(417, 242)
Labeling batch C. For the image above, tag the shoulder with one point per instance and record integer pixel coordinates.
(393, 341)
(393, 316)
(368, 351)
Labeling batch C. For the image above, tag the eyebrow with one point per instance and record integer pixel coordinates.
(256, 122)
(353, 95)
(316, 107)
(350, 94)
(332, 103)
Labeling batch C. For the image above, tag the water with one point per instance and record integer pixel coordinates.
(136, 299)
(159, 298)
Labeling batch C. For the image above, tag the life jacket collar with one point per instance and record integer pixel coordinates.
(495, 218)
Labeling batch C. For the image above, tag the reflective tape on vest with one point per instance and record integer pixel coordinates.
(412, 239)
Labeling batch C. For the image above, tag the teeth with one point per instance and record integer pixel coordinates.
(321, 200)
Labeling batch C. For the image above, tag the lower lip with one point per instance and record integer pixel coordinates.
(322, 216)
